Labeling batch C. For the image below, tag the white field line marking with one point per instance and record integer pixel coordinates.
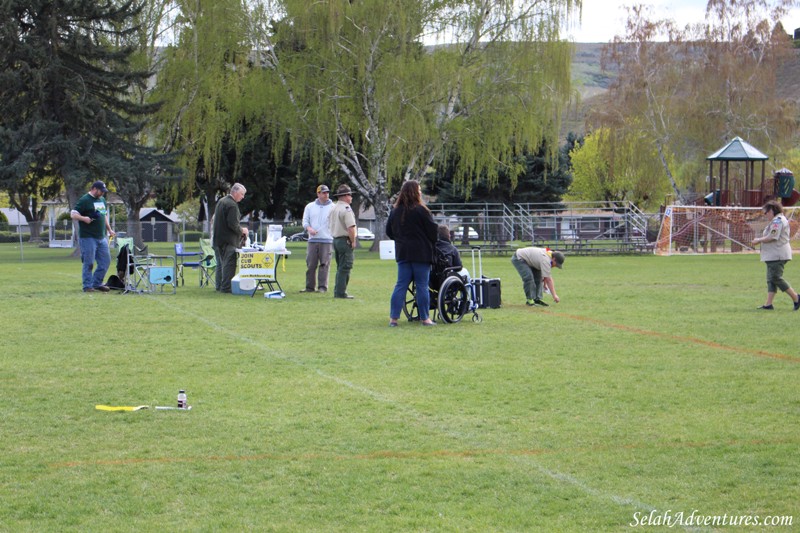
(415, 415)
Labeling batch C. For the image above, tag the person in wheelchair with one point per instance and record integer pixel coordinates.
(447, 259)
(451, 292)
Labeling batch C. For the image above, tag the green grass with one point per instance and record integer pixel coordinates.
(653, 385)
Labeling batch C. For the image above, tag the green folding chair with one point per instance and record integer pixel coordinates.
(208, 264)
(134, 272)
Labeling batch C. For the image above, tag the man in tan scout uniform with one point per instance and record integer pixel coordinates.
(343, 229)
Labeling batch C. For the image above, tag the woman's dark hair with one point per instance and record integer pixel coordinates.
(773, 206)
(410, 196)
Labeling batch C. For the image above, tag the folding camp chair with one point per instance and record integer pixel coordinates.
(186, 259)
(161, 274)
(142, 272)
(132, 265)
(208, 264)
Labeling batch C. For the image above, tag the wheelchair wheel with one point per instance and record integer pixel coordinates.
(410, 308)
(453, 301)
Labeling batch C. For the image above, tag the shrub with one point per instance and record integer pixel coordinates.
(288, 231)
(191, 236)
(3, 222)
(9, 236)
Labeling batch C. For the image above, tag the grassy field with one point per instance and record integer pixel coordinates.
(655, 386)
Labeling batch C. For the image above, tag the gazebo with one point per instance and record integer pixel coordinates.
(745, 193)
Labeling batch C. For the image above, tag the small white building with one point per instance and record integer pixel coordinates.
(15, 218)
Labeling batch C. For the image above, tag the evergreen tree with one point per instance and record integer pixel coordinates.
(543, 180)
(65, 95)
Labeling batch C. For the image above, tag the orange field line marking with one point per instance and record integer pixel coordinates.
(694, 340)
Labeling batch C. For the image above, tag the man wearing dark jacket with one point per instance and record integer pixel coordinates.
(228, 235)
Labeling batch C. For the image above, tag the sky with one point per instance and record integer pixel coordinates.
(603, 19)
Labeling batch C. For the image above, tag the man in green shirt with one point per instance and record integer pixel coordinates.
(91, 212)
(227, 235)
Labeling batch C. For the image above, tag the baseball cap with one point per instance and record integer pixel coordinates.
(323, 188)
(558, 257)
(99, 185)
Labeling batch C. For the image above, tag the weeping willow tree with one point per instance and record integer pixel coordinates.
(613, 166)
(201, 85)
(354, 78)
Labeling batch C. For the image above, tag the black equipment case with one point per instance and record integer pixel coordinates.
(487, 290)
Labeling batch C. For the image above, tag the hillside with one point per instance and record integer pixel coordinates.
(592, 83)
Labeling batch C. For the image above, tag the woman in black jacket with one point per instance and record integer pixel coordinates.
(414, 232)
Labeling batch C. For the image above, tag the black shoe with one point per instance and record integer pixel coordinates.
(429, 323)
(88, 289)
(345, 297)
(767, 307)
(797, 304)
(537, 301)
(102, 288)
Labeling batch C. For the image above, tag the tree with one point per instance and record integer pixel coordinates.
(139, 186)
(705, 84)
(354, 78)
(65, 106)
(543, 180)
(202, 86)
(650, 88)
(743, 46)
(611, 167)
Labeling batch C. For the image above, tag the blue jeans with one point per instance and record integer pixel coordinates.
(420, 273)
(94, 250)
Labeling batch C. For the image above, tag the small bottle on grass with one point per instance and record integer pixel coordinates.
(182, 399)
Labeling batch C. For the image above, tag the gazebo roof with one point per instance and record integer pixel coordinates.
(738, 150)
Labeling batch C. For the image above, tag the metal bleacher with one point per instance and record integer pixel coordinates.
(578, 228)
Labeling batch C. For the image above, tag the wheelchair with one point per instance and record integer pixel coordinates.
(452, 296)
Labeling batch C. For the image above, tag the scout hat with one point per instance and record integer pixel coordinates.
(343, 190)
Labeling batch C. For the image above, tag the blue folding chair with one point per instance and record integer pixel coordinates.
(183, 259)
